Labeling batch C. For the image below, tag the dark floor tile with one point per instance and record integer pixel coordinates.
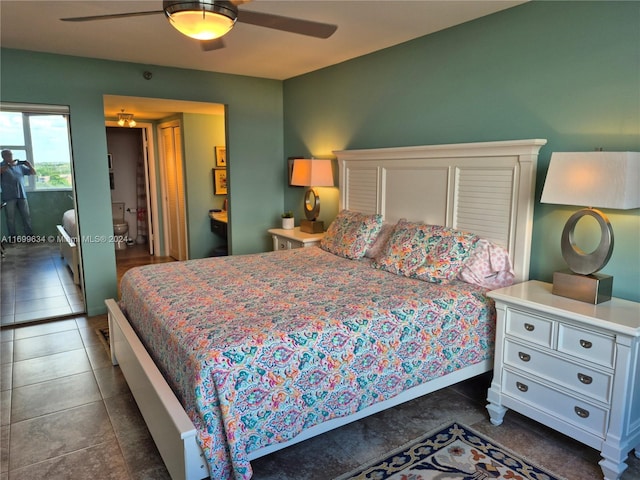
(111, 382)
(5, 407)
(4, 449)
(6, 376)
(44, 328)
(42, 345)
(57, 434)
(103, 461)
(41, 369)
(6, 352)
(53, 396)
(6, 335)
(48, 291)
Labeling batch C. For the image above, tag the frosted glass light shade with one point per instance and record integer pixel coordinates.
(201, 20)
(594, 179)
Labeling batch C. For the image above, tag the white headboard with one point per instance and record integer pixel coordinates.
(486, 188)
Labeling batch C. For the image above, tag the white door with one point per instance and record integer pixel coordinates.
(173, 182)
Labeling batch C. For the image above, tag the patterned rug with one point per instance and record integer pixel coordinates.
(103, 335)
(455, 452)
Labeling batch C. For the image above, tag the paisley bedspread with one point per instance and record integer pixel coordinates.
(260, 347)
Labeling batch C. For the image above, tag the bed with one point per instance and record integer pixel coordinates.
(67, 238)
(307, 340)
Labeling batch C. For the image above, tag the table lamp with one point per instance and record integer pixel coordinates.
(312, 173)
(594, 180)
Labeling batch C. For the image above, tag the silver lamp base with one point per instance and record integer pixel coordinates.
(595, 288)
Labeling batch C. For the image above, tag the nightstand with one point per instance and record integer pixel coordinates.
(570, 365)
(288, 239)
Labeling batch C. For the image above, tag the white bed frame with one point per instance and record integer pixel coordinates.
(487, 188)
(69, 252)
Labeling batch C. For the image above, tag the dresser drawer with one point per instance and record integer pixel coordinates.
(575, 377)
(532, 328)
(591, 346)
(583, 415)
(287, 244)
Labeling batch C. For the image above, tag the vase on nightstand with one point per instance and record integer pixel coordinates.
(288, 223)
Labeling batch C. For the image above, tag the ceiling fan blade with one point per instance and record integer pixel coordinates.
(287, 24)
(110, 16)
(209, 45)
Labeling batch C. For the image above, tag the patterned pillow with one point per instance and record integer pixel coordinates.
(488, 266)
(379, 244)
(351, 234)
(427, 252)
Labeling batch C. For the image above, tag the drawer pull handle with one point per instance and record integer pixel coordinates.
(525, 357)
(585, 343)
(522, 387)
(581, 412)
(586, 379)
(529, 328)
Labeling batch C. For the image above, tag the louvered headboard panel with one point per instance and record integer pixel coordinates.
(486, 188)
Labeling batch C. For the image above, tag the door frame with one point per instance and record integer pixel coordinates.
(147, 133)
(173, 123)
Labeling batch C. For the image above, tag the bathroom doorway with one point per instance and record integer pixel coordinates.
(129, 183)
(41, 269)
(204, 127)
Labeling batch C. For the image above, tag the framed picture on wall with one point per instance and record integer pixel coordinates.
(221, 156)
(219, 181)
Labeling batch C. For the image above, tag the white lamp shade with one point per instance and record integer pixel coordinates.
(594, 179)
(312, 173)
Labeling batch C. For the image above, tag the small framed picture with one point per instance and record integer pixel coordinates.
(219, 181)
(221, 156)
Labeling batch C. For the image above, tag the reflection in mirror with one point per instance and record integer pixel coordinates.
(41, 268)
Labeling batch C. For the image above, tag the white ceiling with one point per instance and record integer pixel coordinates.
(364, 26)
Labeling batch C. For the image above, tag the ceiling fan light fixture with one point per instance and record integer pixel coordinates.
(201, 20)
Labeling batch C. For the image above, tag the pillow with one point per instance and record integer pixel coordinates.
(488, 266)
(427, 252)
(351, 234)
(380, 242)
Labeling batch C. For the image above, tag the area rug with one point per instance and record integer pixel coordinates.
(454, 452)
(103, 335)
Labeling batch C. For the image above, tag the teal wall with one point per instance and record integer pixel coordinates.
(254, 142)
(565, 71)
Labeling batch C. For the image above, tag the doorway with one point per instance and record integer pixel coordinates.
(41, 264)
(173, 189)
(202, 130)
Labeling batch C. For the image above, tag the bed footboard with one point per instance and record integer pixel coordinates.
(171, 429)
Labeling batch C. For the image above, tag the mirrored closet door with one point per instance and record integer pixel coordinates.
(41, 272)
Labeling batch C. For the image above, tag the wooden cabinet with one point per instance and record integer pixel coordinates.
(570, 365)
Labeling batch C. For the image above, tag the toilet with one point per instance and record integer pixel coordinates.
(120, 226)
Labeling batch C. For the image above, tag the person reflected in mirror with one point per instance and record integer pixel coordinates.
(12, 173)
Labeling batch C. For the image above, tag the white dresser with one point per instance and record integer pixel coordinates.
(294, 238)
(570, 365)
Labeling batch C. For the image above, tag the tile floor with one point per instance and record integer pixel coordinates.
(67, 413)
(36, 284)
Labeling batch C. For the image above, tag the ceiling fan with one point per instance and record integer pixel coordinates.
(209, 20)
